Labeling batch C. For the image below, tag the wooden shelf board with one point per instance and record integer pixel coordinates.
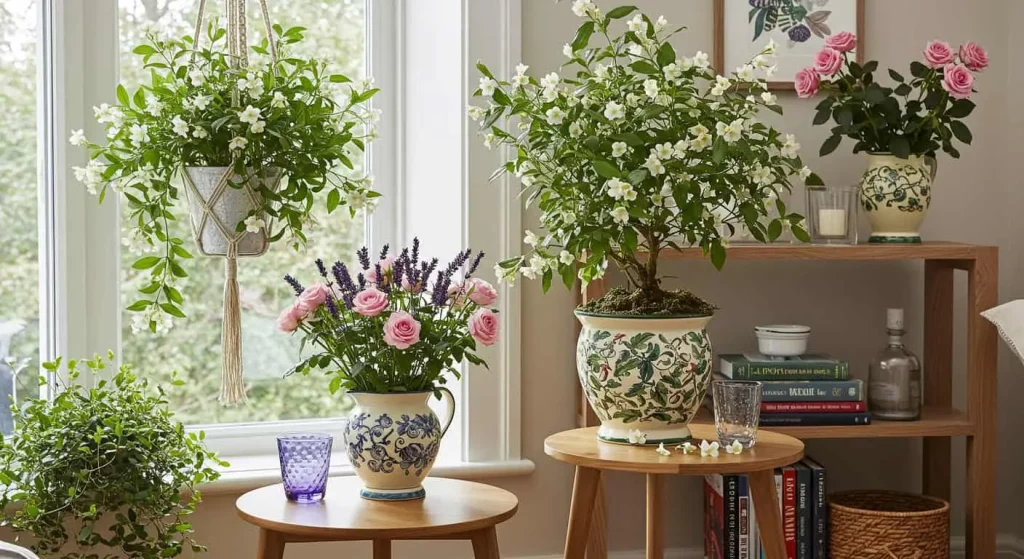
(934, 422)
(932, 250)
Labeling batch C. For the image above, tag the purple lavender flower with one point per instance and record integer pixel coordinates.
(415, 249)
(295, 284)
(475, 264)
(362, 280)
(398, 269)
(342, 277)
(364, 258)
(320, 267)
(332, 307)
(384, 251)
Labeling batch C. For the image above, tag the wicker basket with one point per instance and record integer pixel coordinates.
(888, 525)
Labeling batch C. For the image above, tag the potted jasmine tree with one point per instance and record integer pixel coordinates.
(634, 151)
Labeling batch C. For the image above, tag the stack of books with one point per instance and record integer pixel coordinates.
(807, 390)
(730, 525)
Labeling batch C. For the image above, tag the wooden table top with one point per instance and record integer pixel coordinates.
(451, 506)
(581, 447)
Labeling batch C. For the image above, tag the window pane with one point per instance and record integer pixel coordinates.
(19, 211)
(335, 32)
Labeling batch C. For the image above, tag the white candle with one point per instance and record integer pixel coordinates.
(832, 223)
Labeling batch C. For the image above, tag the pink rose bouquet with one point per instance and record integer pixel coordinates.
(917, 115)
(400, 324)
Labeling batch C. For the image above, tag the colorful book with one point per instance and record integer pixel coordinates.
(818, 419)
(814, 407)
(803, 511)
(745, 518)
(812, 391)
(819, 514)
(789, 511)
(714, 518)
(754, 366)
(731, 483)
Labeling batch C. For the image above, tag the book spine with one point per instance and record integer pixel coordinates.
(732, 517)
(798, 419)
(791, 371)
(744, 525)
(804, 391)
(814, 407)
(819, 496)
(803, 509)
(714, 516)
(789, 510)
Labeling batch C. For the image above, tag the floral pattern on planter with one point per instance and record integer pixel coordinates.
(411, 444)
(895, 194)
(653, 380)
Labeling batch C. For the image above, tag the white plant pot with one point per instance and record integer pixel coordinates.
(392, 442)
(896, 194)
(646, 374)
(213, 231)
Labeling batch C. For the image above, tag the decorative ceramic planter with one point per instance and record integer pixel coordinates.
(646, 374)
(895, 194)
(218, 200)
(392, 442)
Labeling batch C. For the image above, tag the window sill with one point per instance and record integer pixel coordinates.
(251, 472)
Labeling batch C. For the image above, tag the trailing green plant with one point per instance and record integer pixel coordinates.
(633, 150)
(102, 470)
(202, 108)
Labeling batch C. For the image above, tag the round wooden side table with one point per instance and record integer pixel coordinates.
(590, 456)
(452, 510)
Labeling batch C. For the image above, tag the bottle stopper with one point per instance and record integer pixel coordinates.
(894, 319)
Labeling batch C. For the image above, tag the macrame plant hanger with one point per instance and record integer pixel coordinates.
(232, 386)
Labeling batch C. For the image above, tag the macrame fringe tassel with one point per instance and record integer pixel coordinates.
(232, 385)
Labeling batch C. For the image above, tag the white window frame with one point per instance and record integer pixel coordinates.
(84, 238)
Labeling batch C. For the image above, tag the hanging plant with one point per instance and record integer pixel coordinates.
(271, 124)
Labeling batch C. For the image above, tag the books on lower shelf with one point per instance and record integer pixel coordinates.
(755, 366)
(730, 519)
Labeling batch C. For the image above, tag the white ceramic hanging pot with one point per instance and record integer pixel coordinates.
(218, 199)
(895, 194)
(392, 442)
(644, 374)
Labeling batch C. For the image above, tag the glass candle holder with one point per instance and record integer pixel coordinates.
(832, 215)
(737, 406)
(305, 461)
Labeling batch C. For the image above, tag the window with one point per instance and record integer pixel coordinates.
(387, 39)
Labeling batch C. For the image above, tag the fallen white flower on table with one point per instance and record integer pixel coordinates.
(709, 449)
(637, 437)
(735, 448)
(687, 448)
(662, 450)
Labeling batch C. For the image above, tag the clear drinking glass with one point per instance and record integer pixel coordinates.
(832, 215)
(737, 410)
(305, 461)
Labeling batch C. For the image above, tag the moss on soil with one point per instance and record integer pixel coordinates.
(649, 303)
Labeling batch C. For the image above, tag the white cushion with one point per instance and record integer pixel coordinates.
(11, 551)
(1009, 321)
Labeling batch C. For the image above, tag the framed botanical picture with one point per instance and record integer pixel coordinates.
(799, 28)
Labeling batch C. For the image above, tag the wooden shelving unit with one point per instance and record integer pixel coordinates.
(940, 420)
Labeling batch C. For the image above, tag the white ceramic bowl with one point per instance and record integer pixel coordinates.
(782, 340)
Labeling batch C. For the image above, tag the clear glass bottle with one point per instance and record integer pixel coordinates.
(894, 384)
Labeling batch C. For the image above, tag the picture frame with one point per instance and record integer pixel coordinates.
(735, 19)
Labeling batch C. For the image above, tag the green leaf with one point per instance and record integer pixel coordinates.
(144, 50)
(900, 147)
(830, 145)
(903, 90)
(719, 150)
(140, 306)
(961, 131)
(896, 75)
(666, 54)
(172, 309)
(814, 180)
(146, 262)
(918, 70)
(645, 67)
(333, 200)
(339, 78)
(961, 108)
(619, 12)
(582, 37)
(122, 96)
(717, 254)
(605, 169)
(483, 70)
(822, 116)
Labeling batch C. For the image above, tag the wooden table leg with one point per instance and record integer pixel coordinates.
(271, 545)
(381, 549)
(597, 543)
(766, 507)
(485, 544)
(584, 490)
(655, 516)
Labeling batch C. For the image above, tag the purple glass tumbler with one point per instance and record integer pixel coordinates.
(305, 461)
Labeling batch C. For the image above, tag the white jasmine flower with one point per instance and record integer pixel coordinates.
(663, 151)
(555, 116)
(637, 437)
(202, 101)
(567, 50)
(666, 190)
(619, 149)
(242, 84)
(200, 132)
(528, 272)
(258, 127)
(139, 134)
(679, 150)
(657, 200)
(731, 132)
(601, 72)
(635, 50)
(698, 130)
(700, 143)
(661, 23)
(632, 100)
(566, 257)
(475, 113)
(551, 80)
(654, 165)
(672, 72)
(520, 80)
(91, 175)
(722, 83)
(620, 215)
(709, 449)
(521, 69)
(250, 115)
(613, 111)
(531, 238)
(751, 99)
(701, 60)
(629, 194)
(769, 98)
(582, 7)
(179, 126)
(637, 25)
(617, 189)
(770, 71)
(538, 264)
(489, 141)
(572, 101)
(197, 76)
(154, 107)
(745, 73)
(136, 242)
(662, 450)
(664, 100)
(255, 88)
(763, 61)
(735, 448)
(805, 172)
(487, 86)
(651, 88)
(687, 448)
(770, 48)
(790, 147)
(254, 224)
(237, 143)
(685, 63)
(575, 130)
(762, 175)
(78, 138)
(279, 100)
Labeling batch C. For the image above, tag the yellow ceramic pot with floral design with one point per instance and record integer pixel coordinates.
(895, 194)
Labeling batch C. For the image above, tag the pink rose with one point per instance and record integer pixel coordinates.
(289, 319)
(481, 292)
(312, 298)
(806, 83)
(957, 80)
(973, 56)
(401, 330)
(385, 268)
(938, 53)
(842, 42)
(370, 302)
(828, 61)
(408, 286)
(483, 326)
(457, 295)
